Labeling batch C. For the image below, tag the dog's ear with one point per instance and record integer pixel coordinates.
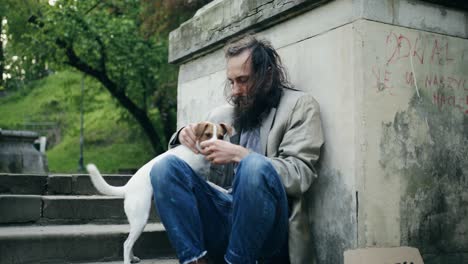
(227, 129)
(200, 128)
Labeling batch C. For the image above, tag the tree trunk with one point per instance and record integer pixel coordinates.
(117, 92)
(140, 115)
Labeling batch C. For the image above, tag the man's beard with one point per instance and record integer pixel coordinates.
(249, 112)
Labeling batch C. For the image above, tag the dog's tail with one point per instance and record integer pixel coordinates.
(101, 185)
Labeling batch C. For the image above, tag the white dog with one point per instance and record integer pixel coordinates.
(138, 191)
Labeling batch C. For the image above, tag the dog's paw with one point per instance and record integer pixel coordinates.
(135, 259)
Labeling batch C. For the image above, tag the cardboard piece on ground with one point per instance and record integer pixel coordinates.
(397, 255)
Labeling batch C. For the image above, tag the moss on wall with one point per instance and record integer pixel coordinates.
(428, 148)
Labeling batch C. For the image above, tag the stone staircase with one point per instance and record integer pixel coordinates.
(62, 219)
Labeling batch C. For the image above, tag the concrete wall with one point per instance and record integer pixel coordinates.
(414, 134)
(392, 81)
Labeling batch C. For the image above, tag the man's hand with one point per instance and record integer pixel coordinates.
(223, 152)
(187, 137)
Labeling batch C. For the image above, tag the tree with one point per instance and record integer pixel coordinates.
(106, 40)
(17, 60)
(2, 56)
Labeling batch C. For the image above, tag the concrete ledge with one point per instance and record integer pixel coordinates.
(462, 4)
(219, 20)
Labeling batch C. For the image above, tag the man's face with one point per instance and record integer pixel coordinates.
(239, 73)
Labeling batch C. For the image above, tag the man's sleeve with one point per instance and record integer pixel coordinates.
(299, 149)
(174, 141)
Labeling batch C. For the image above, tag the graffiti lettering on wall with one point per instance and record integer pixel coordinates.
(382, 77)
(428, 59)
(435, 51)
(442, 100)
(443, 83)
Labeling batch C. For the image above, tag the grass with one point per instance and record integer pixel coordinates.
(110, 141)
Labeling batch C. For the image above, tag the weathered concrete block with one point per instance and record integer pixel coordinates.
(82, 208)
(394, 108)
(222, 19)
(82, 185)
(17, 153)
(86, 209)
(59, 184)
(23, 183)
(20, 208)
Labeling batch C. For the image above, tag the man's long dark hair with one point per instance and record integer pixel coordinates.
(267, 79)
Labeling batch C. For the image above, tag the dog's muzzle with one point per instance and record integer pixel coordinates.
(215, 132)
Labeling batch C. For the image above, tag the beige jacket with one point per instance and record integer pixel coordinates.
(291, 136)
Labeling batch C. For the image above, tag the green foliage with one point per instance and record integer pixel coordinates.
(105, 36)
(112, 43)
(17, 60)
(110, 142)
(103, 40)
(159, 17)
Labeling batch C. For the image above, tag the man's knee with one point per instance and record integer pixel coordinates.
(163, 171)
(255, 163)
(254, 171)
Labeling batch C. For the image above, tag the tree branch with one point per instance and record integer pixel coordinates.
(102, 48)
(91, 9)
(139, 114)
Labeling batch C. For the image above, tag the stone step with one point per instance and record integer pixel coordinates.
(71, 184)
(63, 209)
(23, 183)
(80, 184)
(143, 261)
(78, 243)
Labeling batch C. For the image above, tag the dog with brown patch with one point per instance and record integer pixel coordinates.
(137, 192)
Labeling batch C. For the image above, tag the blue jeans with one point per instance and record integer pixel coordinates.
(249, 224)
